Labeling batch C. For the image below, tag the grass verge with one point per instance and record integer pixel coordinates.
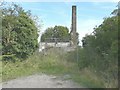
(55, 63)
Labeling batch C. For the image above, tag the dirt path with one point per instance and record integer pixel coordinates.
(41, 81)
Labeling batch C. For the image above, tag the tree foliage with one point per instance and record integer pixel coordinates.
(19, 32)
(99, 51)
(59, 32)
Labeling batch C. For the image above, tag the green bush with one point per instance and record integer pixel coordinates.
(19, 33)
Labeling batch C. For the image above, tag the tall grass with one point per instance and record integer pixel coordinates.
(102, 67)
(52, 63)
(0, 71)
(55, 62)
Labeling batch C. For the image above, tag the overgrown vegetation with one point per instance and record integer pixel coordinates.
(95, 64)
(53, 63)
(100, 51)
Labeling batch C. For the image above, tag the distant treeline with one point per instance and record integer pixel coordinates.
(57, 34)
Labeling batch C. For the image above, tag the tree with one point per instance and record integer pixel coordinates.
(100, 49)
(19, 32)
(59, 32)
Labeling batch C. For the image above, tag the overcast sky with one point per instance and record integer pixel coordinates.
(89, 14)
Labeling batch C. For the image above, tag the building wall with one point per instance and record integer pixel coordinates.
(44, 45)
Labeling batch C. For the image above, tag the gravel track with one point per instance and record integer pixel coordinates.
(41, 81)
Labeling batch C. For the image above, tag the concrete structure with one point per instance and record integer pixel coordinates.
(44, 45)
(73, 27)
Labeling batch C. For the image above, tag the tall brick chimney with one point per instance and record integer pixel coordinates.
(73, 27)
